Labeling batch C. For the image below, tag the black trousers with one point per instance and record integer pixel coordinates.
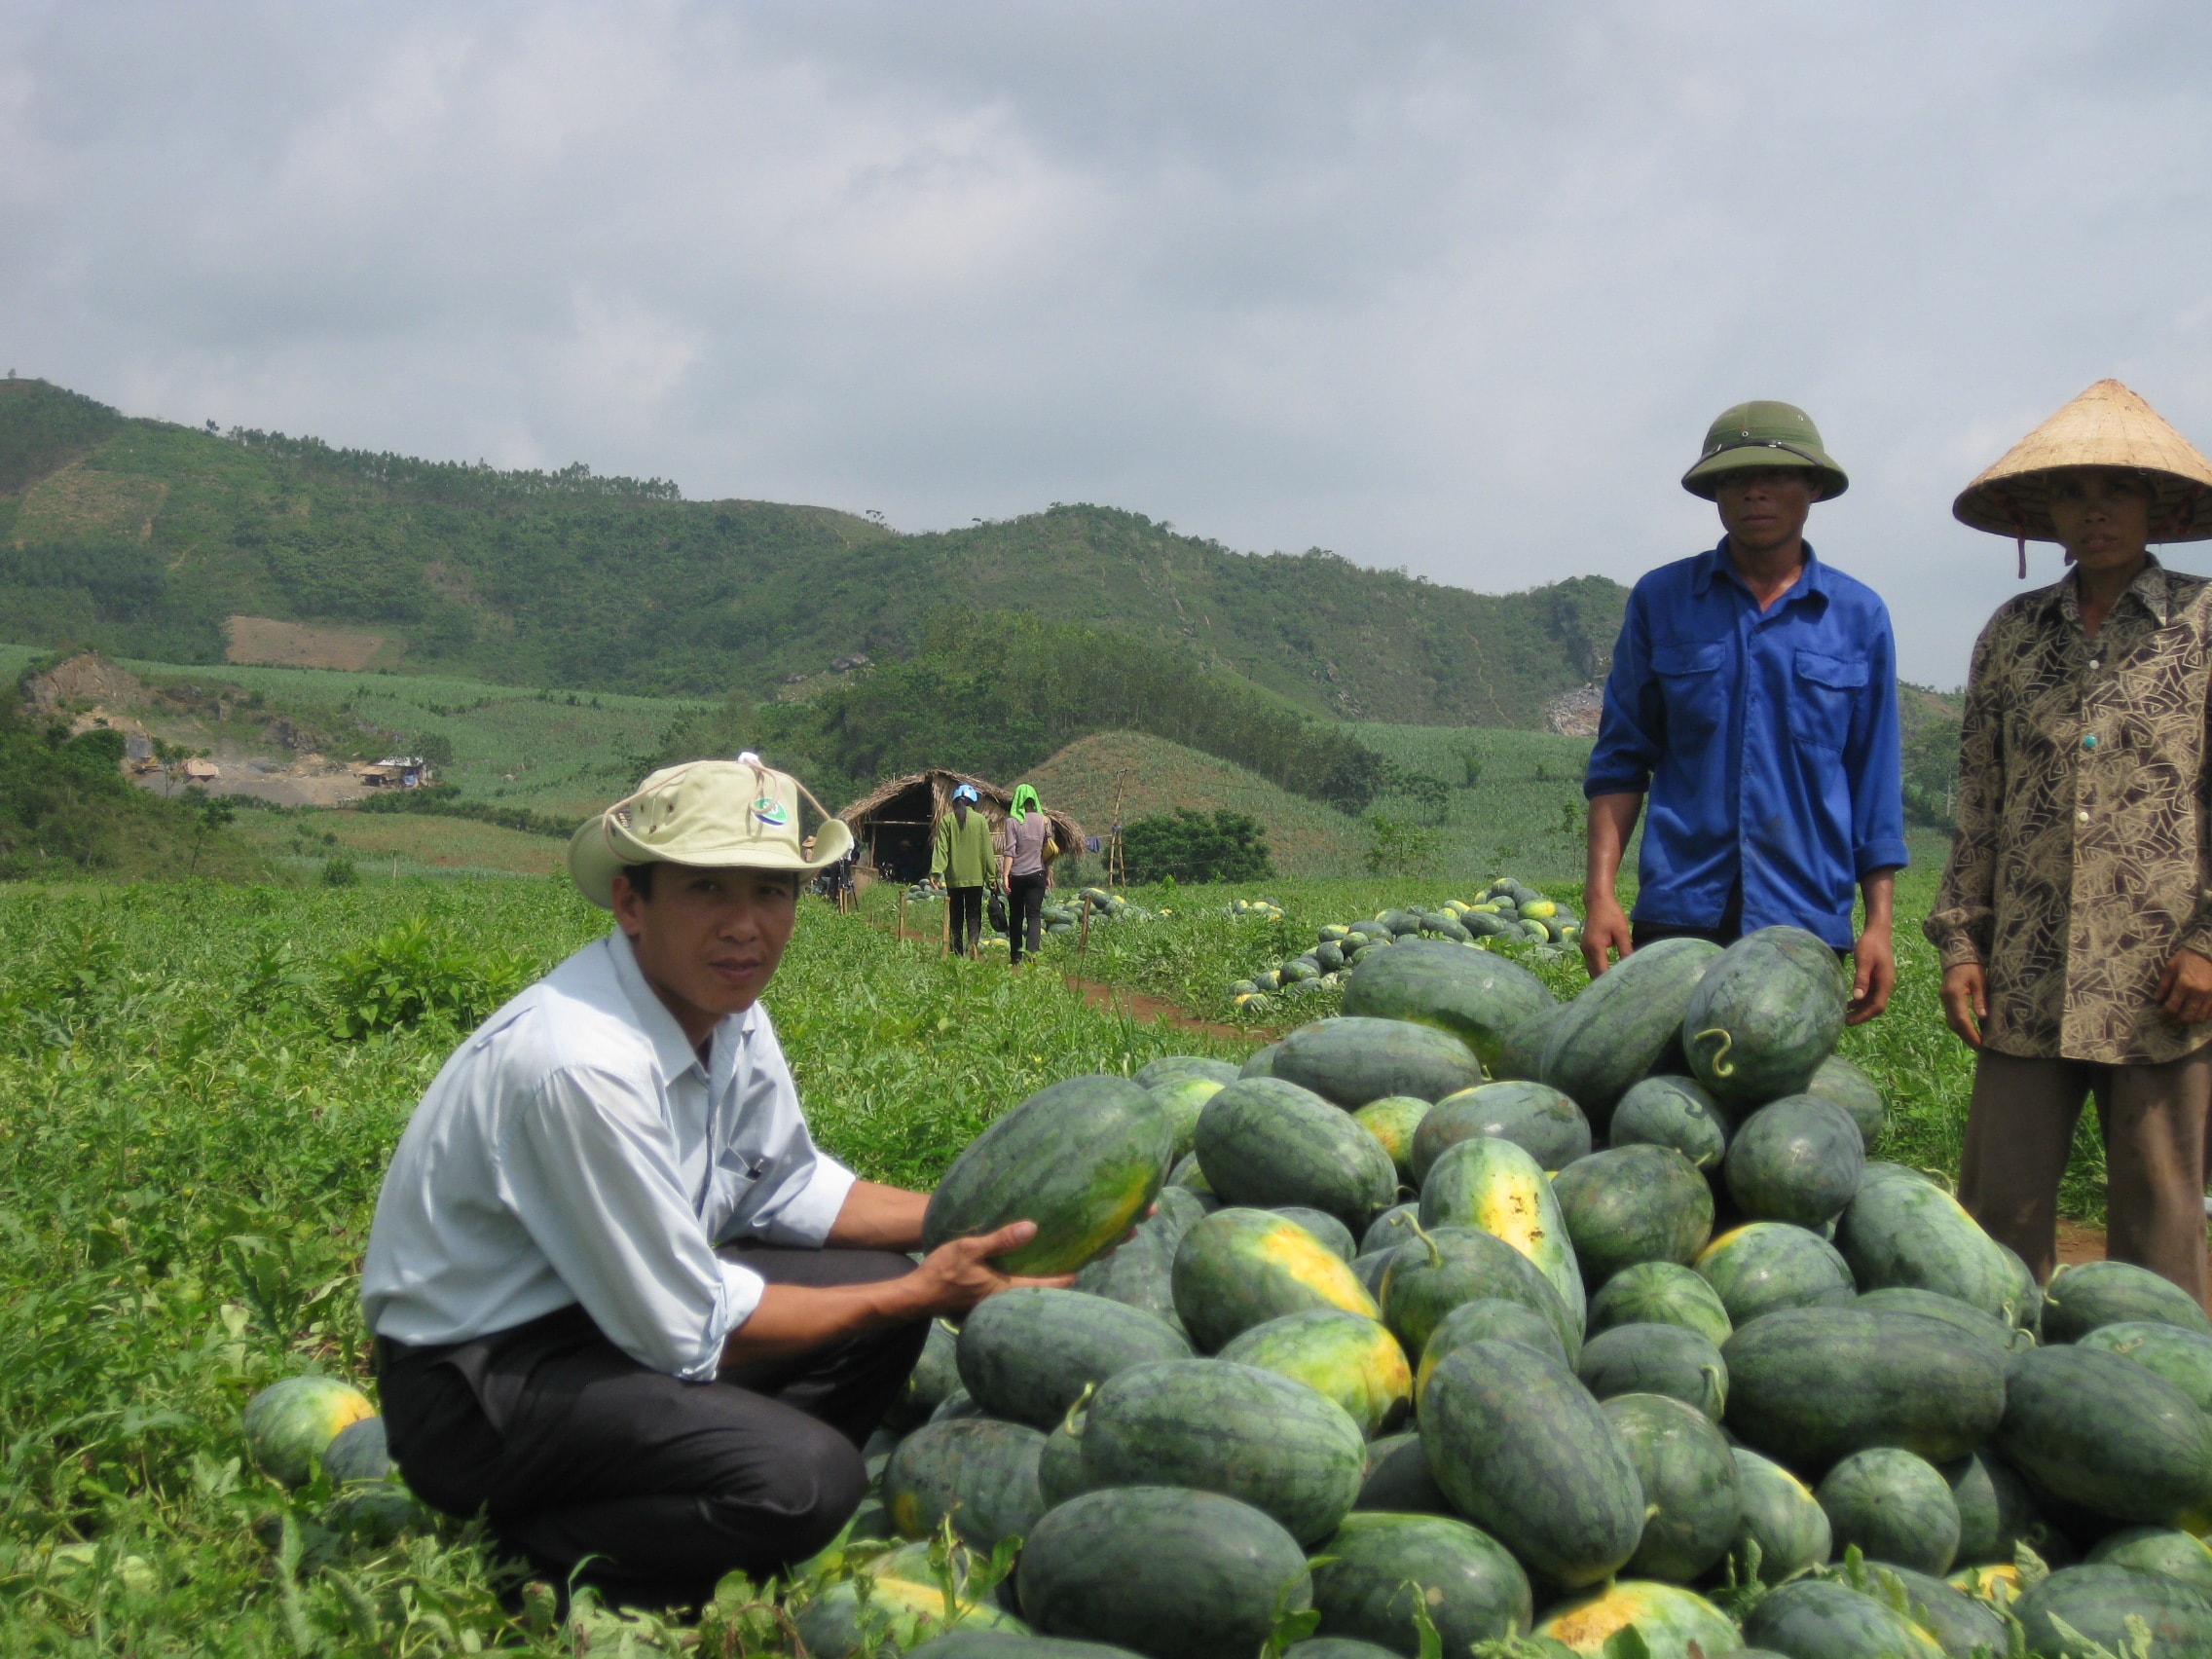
(1730, 929)
(654, 1487)
(1025, 902)
(965, 905)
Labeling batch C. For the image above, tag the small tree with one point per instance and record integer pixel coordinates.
(1401, 849)
(1190, 846)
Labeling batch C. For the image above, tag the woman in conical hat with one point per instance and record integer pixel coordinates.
(2075, 918)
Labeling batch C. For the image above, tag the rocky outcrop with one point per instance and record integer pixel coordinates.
(1574, 713)
(85, 678)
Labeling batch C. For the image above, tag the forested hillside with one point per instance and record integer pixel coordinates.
(145, 540)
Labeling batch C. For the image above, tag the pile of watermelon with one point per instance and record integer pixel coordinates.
(1064, 916)
(1253, 910)
(1507, 913)
(1475, 1312)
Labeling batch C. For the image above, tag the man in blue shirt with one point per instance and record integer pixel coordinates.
(1753, 699)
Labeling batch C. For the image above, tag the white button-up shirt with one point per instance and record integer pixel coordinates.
(574, 1150)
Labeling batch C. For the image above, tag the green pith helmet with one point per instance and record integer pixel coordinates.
(1762, 433)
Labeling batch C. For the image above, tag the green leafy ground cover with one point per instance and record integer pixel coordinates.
(187, 1159)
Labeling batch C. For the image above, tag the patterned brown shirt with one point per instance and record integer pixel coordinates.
(2081, 863)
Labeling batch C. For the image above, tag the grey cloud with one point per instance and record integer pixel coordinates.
(1443, 286)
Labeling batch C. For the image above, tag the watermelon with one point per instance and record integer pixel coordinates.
(838, 1625)
(1623, 1024)
(1900, 1299)
(2081, 1298)
(935, 1376)
(1171, 1069)
(1486, 1319)
(1083, 1158)
(1250, 1434)
(1533, 1116)
(1521, 1450)
(1060, 1466)
(1765, 1266)
(1961, 1625)
(2027, 1295)
(1494, 1185)
(1398, 1481)
(1692, 1507)
(1264, 1142)
(1027, 1354)
(1377, 1569)
(1810, 1386)
(2101, 1431)
(1391, 1228)
(2096, 1603)
(1656, 1359)
(980, 1472)
(955, 1405)
(1913, 1233)
(1996, 1513)
(1392, 1120)
(1476, 997)
(1140, 1270)
(1241, 1267)
(1660, 1293)
(1336, 1647)
(1670, 1622)
(1634, 1204)
(970, 1642)
(1323, 1226)
(357, 1452)
(1354, 1060)
(290, 1424)
(1836, 1078)
(1520, 1052)
(1370, 1270)
(1781, 1516)
(1352, 1361)
(1997, 1584)
(2166, 1550)
(2181, 1356)
(1433, 1274)
(1261, 1062)
(1798, 1159)
(1171, 1572)
(1895, 1508)
(1813, 1618)
(376, 1512)
(1180, 1103)
(1676, 1112)
(1759, 1024)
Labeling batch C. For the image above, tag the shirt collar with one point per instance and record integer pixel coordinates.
(1713, 564)
(671, 1047)
(2150, 589)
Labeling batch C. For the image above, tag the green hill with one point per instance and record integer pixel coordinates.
(153, 540)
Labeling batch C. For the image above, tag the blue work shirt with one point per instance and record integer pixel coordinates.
(1766, 743)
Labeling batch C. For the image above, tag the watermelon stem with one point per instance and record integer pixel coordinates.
(1081, 1400)
(1719, 1062)
(1435, 1250)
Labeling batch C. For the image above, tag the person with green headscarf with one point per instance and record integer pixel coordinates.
(1024, 869)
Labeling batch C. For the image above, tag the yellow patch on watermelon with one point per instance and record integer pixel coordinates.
(1670, 1620)
(905, 1512)
(1997, 1585)
(1126, 1215)
(1313, 1264)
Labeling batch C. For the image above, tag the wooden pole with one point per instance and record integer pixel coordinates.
(902, 915)
(1082, 937)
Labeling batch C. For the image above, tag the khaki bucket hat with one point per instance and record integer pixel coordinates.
(710, 814)
(1762, 433)
(2107, 425)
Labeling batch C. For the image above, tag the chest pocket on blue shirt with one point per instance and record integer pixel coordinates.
(1692, 685)
(1823, 694)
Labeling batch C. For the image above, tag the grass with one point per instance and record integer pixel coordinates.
(189, 1162)
(397, 844)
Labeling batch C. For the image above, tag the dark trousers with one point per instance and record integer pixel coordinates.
(1727, 933)
(575, 1451)
(1025, 901)
(964, 908)
(2020, 1133)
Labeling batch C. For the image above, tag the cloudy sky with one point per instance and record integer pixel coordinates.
(1449, 288)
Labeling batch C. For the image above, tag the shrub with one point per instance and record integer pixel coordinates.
(1183, 845)
(409, 974)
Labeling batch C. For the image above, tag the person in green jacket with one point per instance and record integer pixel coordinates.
(964, 860)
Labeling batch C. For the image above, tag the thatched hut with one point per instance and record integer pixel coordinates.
(893, 823)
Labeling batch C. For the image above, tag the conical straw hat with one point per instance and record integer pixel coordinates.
(2107, 425)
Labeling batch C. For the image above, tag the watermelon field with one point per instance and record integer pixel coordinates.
(203, 1083)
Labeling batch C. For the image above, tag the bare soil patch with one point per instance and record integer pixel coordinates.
(300, 644)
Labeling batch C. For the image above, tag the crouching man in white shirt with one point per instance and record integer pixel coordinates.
(623, 1305)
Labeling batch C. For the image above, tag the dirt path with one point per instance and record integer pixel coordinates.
(1113, 999)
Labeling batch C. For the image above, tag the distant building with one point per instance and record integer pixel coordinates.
(198, 771)
(396, 772)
